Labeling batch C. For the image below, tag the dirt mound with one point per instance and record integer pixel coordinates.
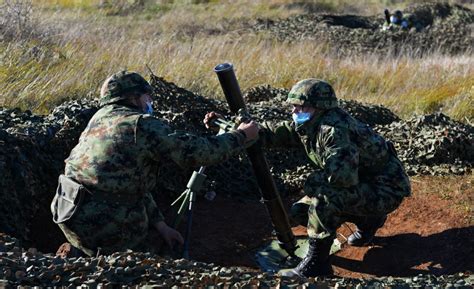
(180, 107)
(441, 27)
(268, 104)
(21, 181)
(432, 144)
(32, 151)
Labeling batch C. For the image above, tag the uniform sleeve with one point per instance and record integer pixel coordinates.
(339, 156)
(283, 135)
(153, 212)
(187, 149)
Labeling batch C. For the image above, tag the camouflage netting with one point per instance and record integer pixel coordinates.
(32, 268)
(32, 148)
(432, 144)
(445, 28)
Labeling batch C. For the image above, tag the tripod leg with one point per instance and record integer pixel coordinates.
(180, 212)
(188, 227)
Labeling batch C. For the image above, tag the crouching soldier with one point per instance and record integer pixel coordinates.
(104, 199)
(357, 175)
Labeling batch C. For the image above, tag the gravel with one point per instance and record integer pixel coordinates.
(20, 267)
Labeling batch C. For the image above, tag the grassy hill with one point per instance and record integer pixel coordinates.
(54, 50)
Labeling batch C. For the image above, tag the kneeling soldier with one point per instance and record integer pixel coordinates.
(104, 197)
(357, 175)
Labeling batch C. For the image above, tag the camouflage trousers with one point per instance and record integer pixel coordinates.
(112, 227)
(325, 208)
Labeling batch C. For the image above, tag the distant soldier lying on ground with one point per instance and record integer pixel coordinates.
(104, 202)
(399, 21)
(357, 175)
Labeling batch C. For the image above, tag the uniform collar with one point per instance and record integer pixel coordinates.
(125, 106)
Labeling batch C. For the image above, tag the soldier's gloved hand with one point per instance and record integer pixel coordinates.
(209, 118)
(170, 235)
(250, 129)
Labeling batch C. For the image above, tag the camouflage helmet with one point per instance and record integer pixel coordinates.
(117, 86)
(313, 92)
(398, 14)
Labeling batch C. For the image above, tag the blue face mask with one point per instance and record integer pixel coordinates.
(301, 117)
(394, 20)
(149, 108)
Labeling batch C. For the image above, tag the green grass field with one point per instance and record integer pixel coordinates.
(64, 49)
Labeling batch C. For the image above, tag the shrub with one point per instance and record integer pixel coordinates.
(16, 19)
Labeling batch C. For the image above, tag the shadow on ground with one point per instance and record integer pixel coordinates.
(447, 252)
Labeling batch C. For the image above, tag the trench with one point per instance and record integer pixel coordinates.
(433, 242)
(228, 230)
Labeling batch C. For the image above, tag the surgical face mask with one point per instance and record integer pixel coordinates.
(301, 117)
(394, 20)
(149, 108)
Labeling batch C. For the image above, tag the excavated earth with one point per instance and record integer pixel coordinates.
(436, 238)
(442, 28)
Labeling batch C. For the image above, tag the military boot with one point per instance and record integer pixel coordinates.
(316, 262)
(366, 230)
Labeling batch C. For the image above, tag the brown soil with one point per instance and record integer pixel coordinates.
(432, 232)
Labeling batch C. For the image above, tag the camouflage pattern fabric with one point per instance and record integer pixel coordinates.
(403, 23)
(397, 21)
(446, 29)
(117, 159)
(116, 87)
(314, 92)
(356, 171)
(406, 23)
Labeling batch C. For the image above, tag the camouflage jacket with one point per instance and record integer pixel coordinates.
(344, 149)
(406, 23)
(120, 151)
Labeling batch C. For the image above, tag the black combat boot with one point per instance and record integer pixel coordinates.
(316, 262)
(366, 231)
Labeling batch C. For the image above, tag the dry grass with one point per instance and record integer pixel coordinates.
(184, 42)
(247, 8)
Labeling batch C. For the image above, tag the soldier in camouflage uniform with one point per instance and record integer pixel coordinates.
(397, 21)
(116, 163)
(357, 175)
